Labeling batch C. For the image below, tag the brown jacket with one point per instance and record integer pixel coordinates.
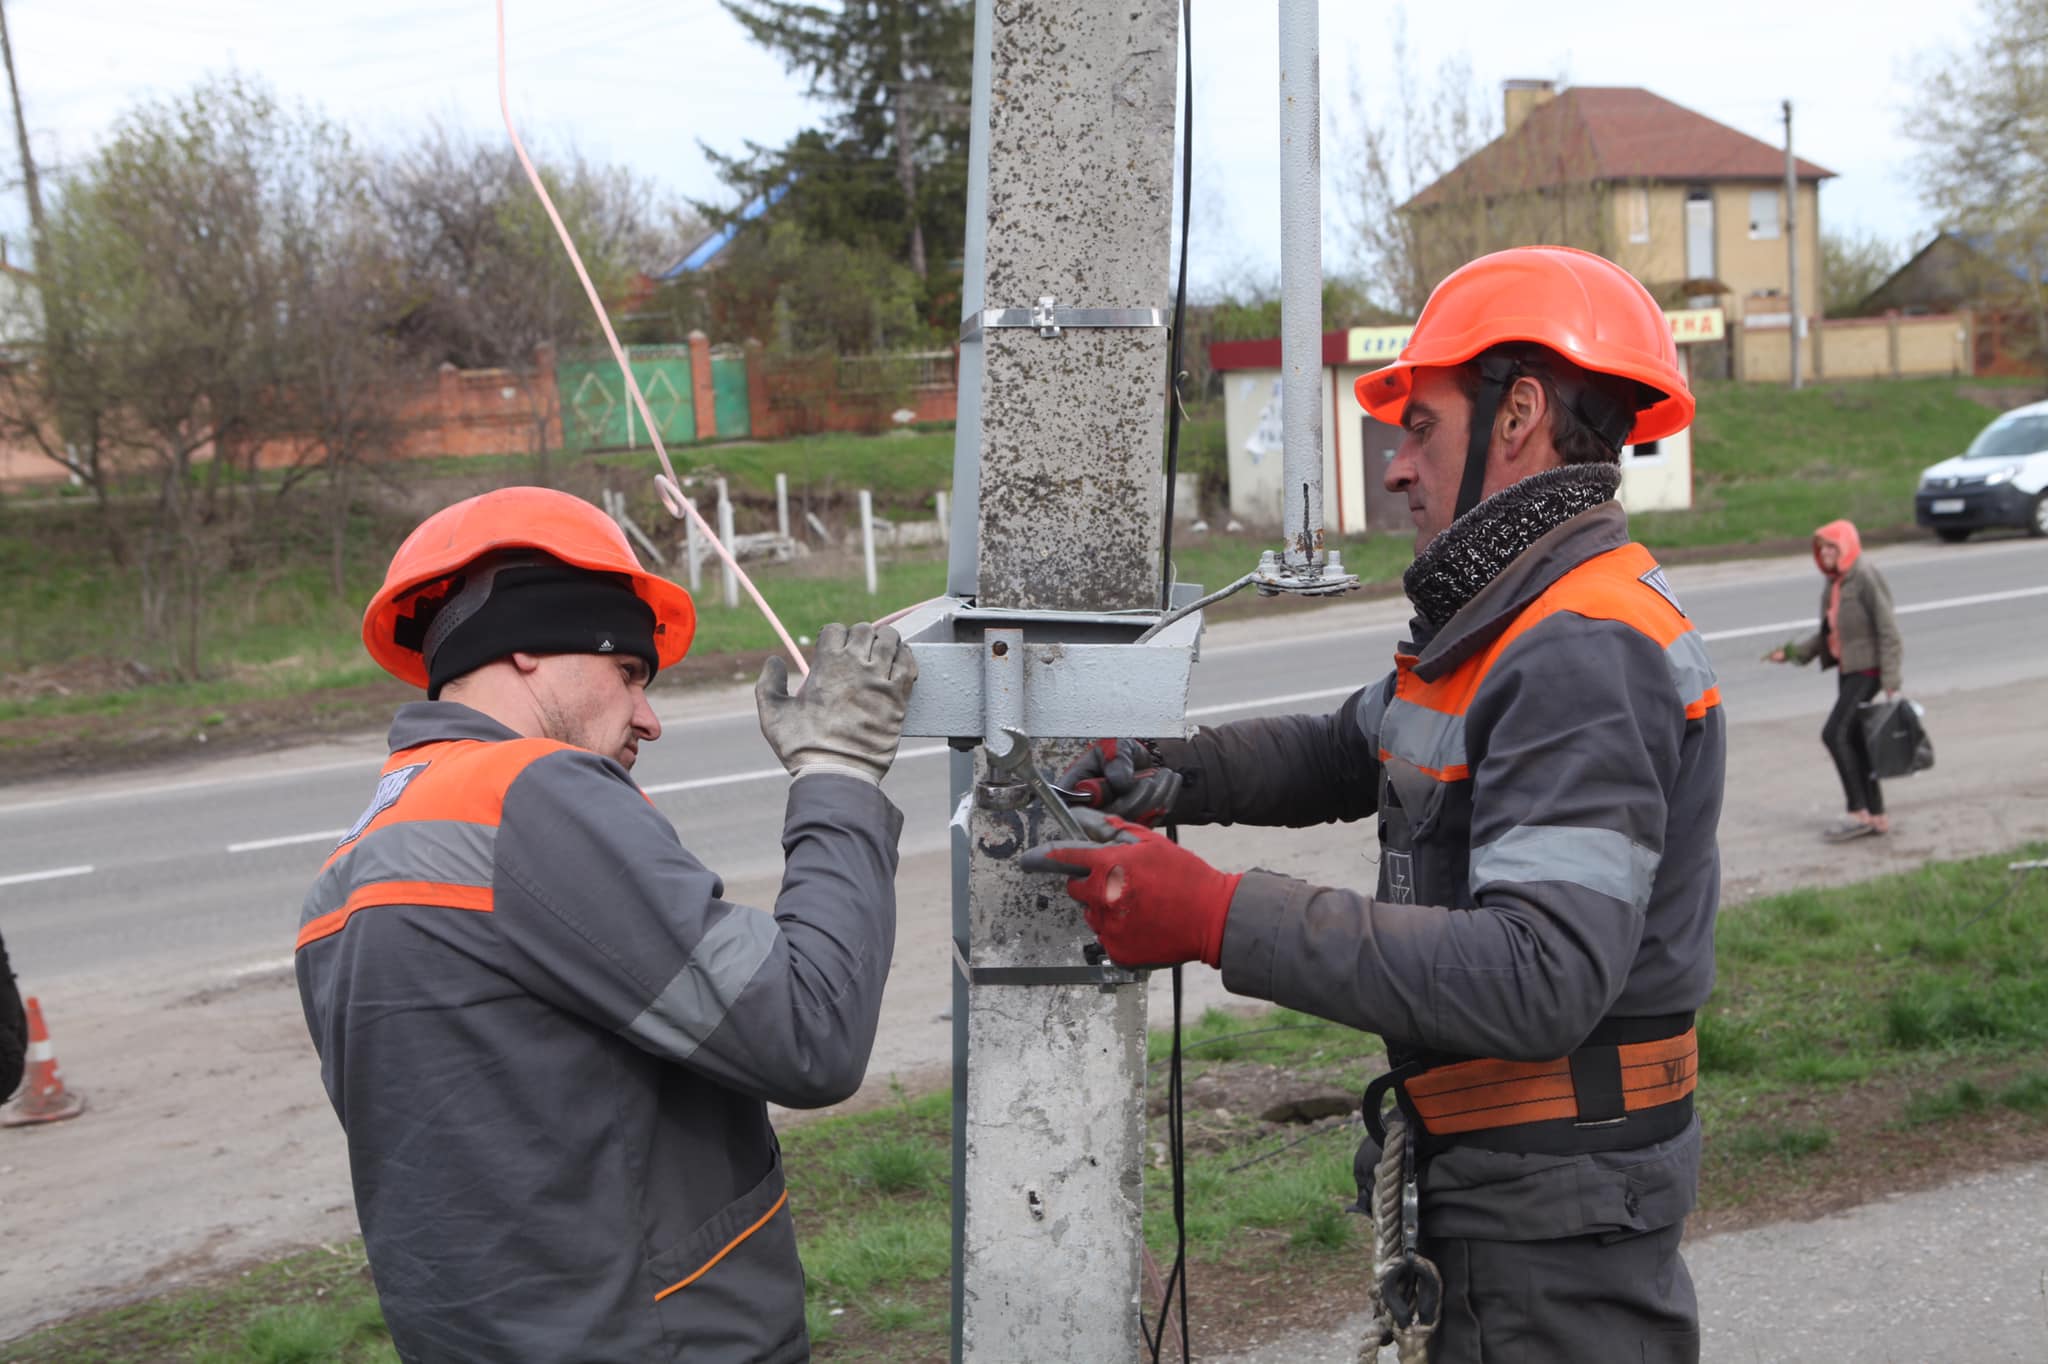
(1870, 630)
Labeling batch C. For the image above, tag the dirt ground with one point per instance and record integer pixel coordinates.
(208, 1142)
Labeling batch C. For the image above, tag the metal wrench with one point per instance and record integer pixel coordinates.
(1018, 762)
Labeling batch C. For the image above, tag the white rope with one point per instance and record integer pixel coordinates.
(665, 483)
(1411, 1344)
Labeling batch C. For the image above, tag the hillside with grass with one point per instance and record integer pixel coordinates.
(83, 679)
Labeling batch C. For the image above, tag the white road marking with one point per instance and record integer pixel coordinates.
(1291, 699)
(765, 774)
(1945, 604)
(258, 845)
(54, 873)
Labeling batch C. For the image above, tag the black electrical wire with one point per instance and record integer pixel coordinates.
(1180, 304)
(1176, 1294)
(1176, 1281)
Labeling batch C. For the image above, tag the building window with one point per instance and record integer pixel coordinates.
(1639, 214)
(1763, 215)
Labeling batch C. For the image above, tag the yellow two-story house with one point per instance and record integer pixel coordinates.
(1691, 207)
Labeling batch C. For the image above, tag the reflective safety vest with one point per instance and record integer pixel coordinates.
(1632, 1081)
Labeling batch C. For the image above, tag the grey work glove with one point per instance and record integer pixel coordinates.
(847, 717)
(1123, 777)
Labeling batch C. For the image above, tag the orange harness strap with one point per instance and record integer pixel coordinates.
(1473, 1096)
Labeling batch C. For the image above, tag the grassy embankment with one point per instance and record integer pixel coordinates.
(1860, 1038)
(282, 649)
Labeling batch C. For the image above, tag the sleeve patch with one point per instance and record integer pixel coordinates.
(390, 787)
(1658, 583)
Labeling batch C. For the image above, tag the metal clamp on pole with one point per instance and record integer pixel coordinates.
(1105, 975)
(1051, 320)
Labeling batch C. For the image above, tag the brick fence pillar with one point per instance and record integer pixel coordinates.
(703, 398)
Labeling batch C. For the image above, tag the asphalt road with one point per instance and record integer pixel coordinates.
(201, 871)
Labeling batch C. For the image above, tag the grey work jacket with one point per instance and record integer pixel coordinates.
(551, 1042)
(1548, 860)
(1869, 629)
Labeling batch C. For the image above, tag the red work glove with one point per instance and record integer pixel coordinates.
(1123, 776)
(1150, 901)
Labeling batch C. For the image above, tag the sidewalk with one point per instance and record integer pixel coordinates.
(1958, 1273)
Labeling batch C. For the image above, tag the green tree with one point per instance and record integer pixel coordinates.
(1982, 122)
(1852, 265)
(169, 250)
(889, 170)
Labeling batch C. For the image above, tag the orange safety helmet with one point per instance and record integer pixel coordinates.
(555, 523)
(1583, 306)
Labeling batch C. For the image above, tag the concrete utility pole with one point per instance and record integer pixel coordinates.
(29, 183)
(1057, 497)
(1792, 242)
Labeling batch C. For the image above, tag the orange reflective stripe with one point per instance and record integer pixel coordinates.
(1708, 700)
(730, 1246)
(438, 894)
(1473, 1096)
(464, 779)
(1455, 772)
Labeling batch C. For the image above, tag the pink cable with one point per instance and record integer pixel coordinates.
(670, 490)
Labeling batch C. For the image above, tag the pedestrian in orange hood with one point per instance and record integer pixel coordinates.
(1859, 635)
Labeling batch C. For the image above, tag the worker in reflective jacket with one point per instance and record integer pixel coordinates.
(549, 1037)
(1545, 762)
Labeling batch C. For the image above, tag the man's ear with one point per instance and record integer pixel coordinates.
(1524, 411)
(524, 662)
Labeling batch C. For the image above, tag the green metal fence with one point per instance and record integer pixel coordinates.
(598, 413)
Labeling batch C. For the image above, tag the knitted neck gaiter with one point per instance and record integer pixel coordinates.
(1478, 546)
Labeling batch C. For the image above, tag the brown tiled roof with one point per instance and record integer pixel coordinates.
(1603, 133)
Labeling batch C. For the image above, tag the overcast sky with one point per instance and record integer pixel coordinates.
(640, 81)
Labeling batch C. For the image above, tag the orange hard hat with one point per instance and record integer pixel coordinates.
(1583, 306)
(555, 523)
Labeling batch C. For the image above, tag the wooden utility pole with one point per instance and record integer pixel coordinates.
(1792, 244)
(1057, 504)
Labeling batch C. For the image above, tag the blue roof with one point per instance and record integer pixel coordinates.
(707, 250)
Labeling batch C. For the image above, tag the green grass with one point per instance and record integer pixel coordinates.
(316, 1307)
(1928, 981)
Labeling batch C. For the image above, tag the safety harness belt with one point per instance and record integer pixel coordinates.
(1630, 1085)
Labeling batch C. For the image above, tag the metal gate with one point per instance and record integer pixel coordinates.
(598, 413)
(729, 394)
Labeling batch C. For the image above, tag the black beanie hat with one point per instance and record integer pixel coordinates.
(526, 602)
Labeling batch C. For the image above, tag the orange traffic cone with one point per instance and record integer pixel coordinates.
(43, 1097)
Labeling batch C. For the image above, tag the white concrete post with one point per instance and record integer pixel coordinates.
(782, 505)
(693, 550)
(730, 582)
(944, 513)
(867, 536)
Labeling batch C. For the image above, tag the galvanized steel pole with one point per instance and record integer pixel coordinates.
(1057, 504)
(1301, 285)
